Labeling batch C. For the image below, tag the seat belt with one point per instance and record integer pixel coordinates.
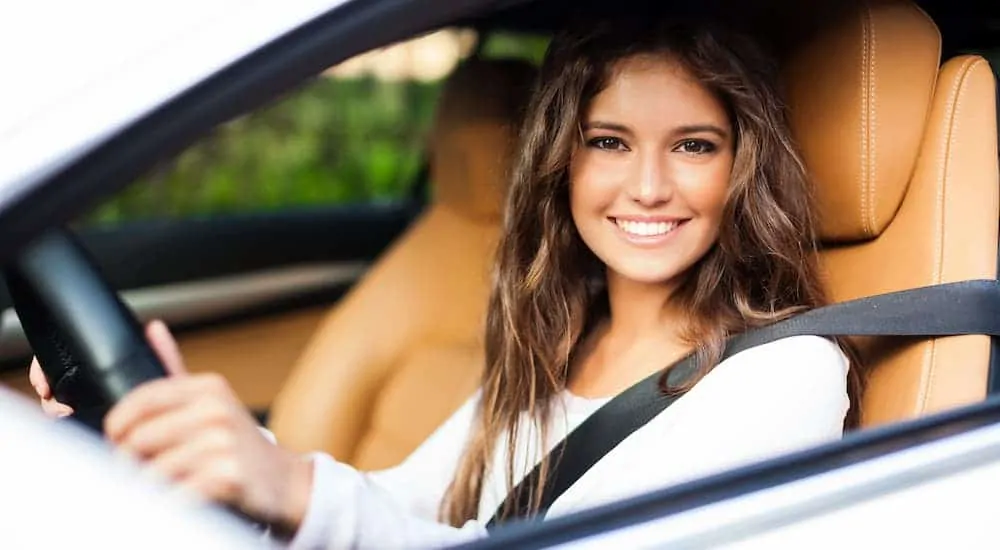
(949, 309)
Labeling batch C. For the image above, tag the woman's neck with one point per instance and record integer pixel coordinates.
(642, 336)
(639, 310)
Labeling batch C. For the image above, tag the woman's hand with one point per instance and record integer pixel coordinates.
(158, 337)
(194, 431)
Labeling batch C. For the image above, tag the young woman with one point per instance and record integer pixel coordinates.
(658, 207)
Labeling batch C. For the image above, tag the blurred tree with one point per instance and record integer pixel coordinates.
(333, 141)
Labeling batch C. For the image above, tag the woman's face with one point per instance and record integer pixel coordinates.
(649, 180)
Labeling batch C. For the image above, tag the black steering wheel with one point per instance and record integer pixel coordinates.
(90, 346)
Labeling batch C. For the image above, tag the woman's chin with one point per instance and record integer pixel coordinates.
(646, 275)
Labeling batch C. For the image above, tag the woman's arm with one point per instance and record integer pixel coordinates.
(391, 508)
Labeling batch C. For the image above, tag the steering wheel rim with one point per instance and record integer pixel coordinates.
(89, 344)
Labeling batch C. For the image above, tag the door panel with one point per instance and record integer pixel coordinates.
(255, 355)
(242, 293)
(192, 305)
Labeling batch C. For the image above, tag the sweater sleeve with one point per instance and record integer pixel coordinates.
(394, 508)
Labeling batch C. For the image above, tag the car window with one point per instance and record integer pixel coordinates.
(354, 135)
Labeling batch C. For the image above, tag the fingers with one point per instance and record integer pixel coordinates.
(160, 339)
(201, 417)
(194, 432)
(208, 466)
(220, 480)
(50, 406)
(177, 464)
(191, 431)
(160, 396)
(56, 409)
(38, 381)
(165, 346)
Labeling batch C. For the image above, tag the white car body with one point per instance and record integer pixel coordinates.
(62, 488)
(76, 78)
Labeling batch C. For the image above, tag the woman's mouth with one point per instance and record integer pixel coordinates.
(648, 231)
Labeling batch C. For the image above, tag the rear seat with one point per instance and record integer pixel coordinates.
(404, 349)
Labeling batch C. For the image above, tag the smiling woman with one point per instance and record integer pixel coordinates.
(658, 208)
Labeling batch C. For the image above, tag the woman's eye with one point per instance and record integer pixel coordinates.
(608, 144)
(696, 146)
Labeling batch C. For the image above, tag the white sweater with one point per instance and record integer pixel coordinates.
(757, 404)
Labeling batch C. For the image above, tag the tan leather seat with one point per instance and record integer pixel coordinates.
(404, 349)
(903, 148)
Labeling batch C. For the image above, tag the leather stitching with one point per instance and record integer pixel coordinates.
(954, 108)
(865, 97)
(872, 124)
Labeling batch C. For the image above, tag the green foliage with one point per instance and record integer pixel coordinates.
(502, 44)
(334, 141)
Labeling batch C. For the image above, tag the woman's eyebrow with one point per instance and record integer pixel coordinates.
(601, 125)
(702, 128)
(680, 130)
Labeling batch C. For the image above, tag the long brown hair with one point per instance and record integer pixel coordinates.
(548, 287)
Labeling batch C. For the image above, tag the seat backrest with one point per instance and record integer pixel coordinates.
(903, 150)
(404, 348)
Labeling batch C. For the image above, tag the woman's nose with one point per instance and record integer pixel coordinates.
(651, 184)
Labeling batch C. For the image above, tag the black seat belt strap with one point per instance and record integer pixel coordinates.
(950, 309)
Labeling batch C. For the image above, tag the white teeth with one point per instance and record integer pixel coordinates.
(646, 229)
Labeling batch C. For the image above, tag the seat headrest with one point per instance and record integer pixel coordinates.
(859, 91)
(472, 136)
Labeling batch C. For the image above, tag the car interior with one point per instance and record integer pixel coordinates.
(874, 104)
(367, 395)
(892, 102)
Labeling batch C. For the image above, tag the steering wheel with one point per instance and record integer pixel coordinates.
(90, 346)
